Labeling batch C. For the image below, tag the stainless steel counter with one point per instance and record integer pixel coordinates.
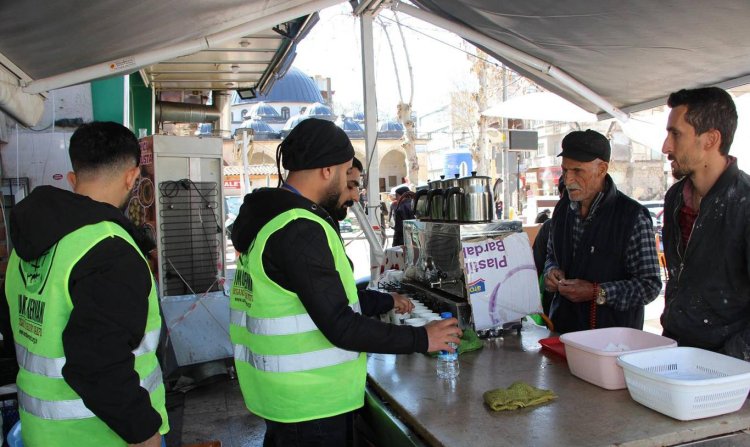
(582, 415)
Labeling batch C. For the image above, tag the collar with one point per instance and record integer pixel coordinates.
(730, 172)
(291, 188)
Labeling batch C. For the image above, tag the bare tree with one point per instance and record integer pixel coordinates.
(490, 78)
(404, 108)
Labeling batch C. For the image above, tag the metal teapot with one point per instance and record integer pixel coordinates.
(477, 195)
(435, 199)
(453, 200)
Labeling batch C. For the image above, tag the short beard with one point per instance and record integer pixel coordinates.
(330, 202)
(680, 174)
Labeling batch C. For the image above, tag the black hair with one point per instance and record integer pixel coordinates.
(708, 108)
(103, 144)
(356, 164)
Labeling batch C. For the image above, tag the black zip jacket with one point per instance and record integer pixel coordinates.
(299, 259)
(708, 291)
(109, 289)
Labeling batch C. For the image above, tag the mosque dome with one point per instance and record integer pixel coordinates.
(263, 111)
(295, 86)
(352, 128)
(261, 129)
(291, 123)
(390, 129)
(320, 111)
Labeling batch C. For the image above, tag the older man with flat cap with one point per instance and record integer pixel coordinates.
(296, 325)
(601, 256)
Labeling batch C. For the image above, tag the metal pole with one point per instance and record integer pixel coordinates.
(506, 160)
(371, 149)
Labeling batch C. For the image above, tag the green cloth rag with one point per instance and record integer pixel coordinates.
(516, 396)
(469, 342)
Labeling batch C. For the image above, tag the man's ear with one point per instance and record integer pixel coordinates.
(72, 179)
(603, 168)
(712, 139)
(326, 172)
(131, 175)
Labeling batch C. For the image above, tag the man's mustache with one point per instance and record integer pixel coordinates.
(348, 204)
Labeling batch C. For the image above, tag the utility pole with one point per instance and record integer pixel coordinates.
(506, 160)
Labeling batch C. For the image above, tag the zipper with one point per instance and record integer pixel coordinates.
(687, 244)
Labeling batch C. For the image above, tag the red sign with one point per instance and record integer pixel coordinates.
(57, 176)
(232, 184)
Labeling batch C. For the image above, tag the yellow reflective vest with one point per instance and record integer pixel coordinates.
(288, 370)
(52, 414)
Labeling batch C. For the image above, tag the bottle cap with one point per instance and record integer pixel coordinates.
(445, 315)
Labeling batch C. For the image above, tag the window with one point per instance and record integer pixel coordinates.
(285, 113)
(392, 180)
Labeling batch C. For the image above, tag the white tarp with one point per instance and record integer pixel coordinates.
(540, 106)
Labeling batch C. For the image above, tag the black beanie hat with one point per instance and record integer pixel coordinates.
(315, 143)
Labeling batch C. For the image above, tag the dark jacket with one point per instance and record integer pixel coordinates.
(404, 211)
(109, 288)
(299, 259)
(539, 249)
(599, 257)
(708, 291)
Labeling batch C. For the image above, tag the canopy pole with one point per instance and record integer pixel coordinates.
(135, 62)
(514, 55)
(371, 147)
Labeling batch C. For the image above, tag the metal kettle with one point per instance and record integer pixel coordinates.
(453, 200)
(420, 204)
(477, 195)
(435, 199)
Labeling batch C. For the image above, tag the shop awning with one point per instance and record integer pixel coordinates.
(630, 53)
(178, 44)
(540, 106)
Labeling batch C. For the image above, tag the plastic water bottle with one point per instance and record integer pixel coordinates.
(447, 362)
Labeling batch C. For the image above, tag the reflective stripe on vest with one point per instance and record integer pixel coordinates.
(295, 324)
(52, 367)
(74, 408)
(294, 362)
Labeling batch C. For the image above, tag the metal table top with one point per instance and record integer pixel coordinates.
(446, 414)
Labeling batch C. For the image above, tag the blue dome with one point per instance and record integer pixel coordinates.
(391, 126)
(321, 111)
(352, 128)
(261, 129)
(359, 116)
(295, 86)
(262, 110)
(348, 124)
(291, 123)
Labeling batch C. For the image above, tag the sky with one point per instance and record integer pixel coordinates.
(332, 49)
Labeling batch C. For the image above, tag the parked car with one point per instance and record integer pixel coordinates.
(655, 208)
(345, 226)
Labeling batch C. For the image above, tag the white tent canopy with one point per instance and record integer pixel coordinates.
(540, 106)
(630, 54)
(600, 55)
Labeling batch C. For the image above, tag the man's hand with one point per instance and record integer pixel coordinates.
(154, 441)
(576, 290)
(552, 279)
(401, 304)
(442, 332)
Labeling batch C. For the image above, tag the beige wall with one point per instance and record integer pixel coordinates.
(391, 157)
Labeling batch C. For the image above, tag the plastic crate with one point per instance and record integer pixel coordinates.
(589, 360)
(687, 383)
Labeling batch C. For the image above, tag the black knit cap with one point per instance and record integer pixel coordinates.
(585, 146)
(315, 143)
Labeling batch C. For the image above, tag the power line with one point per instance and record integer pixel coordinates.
(485, 60)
